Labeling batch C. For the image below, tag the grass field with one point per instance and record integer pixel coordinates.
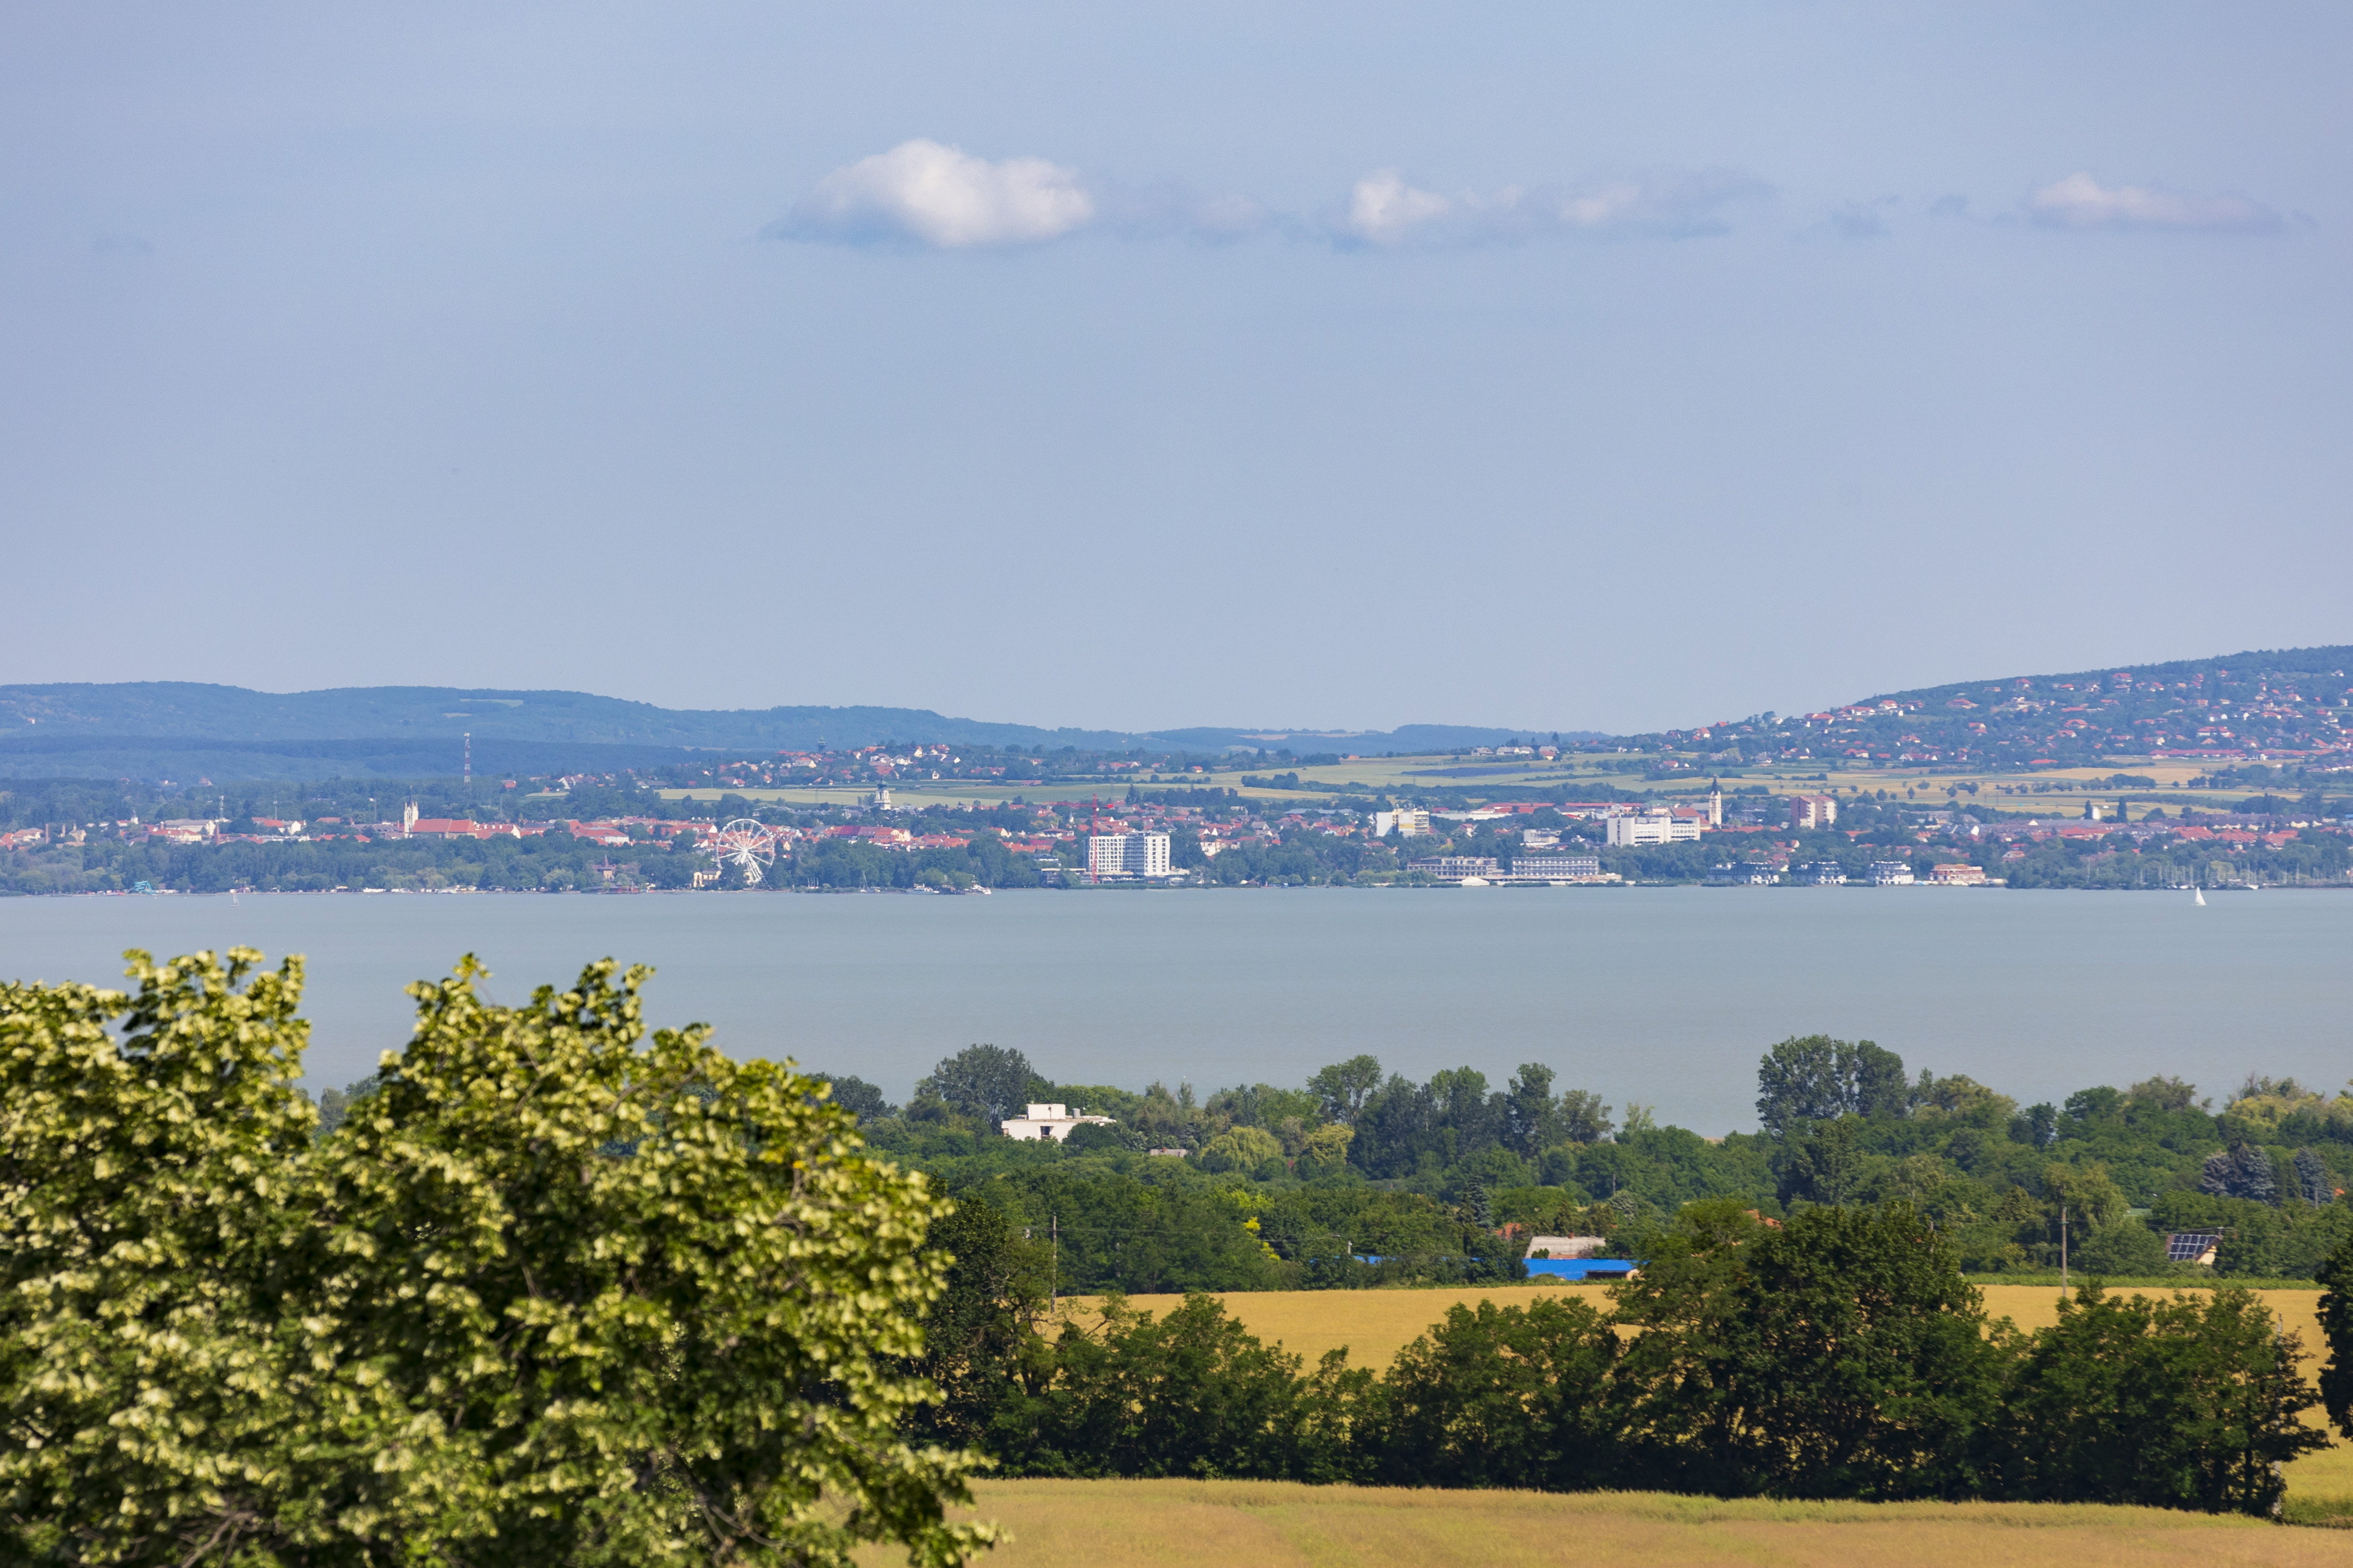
(1268, 1524)
(1374, 1325)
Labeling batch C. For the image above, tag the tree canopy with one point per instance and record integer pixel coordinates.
(553, 1293)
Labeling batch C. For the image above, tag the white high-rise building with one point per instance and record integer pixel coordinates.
(1128, 855)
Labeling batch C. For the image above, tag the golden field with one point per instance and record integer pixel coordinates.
(1374, 1325)
(1274, 1524)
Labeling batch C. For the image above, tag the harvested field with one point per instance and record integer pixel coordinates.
(1268, 1524)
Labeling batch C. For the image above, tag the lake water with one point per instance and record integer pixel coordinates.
(1663, 995)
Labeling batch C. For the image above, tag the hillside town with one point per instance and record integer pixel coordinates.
(1741, 835)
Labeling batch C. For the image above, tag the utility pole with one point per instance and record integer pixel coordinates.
(1054, 1274)
(2063, 1250)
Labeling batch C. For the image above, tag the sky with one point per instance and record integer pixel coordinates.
(1547, 365)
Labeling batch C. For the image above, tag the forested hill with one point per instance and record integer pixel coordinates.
(2278, 703)
(171, 728)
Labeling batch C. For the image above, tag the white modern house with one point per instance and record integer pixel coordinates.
(1054, 1121)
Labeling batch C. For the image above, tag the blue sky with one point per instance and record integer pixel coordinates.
(1570, 367)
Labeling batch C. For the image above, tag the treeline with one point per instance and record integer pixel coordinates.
(64, 803)
(1260, 1186)
(1839, 1355)
(548, 862)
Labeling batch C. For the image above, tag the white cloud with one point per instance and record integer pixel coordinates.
(2080, 202)
(1383, 210)
(936, 195)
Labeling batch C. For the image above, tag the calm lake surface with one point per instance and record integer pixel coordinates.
(1663, 995)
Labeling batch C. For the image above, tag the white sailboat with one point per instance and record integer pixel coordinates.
(2199, 894)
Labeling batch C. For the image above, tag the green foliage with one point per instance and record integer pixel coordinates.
(989, 1082)
(980, 1343)
(1500, 1396)
(551, 1287)
(1838, 1355)
(1192, 1394)
(2336, 1329)
(141, 1361)
(1817, 1079)
(1841, 1356)
(2181, 1404)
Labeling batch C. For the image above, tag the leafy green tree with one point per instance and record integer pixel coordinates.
(551, 1294)
(981, 1347)
(1509, 1396)
(855, 1095)
(1191, 1394)
(1583, 1118)
(1840, 1355)
(2181, 1404)
(1817, 1079)
(2337, 1331)
(1531, 1115)
(2124, 1248)
(1343, 1088)
(144, 1175)
(990, 1082)
(1829, 1167)
(1241, 1149)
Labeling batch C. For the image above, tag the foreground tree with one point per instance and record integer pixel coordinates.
(144, 1175)
(1840, 1355)
(549, 1295)
(1193, 1394)
(2181, 1404)
(1511, 1396)
(2336, 1329)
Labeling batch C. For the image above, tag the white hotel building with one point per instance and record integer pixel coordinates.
(1125, 855)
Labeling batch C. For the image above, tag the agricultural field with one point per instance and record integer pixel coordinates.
(1374, 1325)
(1275, 1524)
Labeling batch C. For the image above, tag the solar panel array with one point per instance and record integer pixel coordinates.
(2190, 1245)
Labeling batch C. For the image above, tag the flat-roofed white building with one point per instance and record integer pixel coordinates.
(1558, 868)
(1128, 855)
(1652, 827)
(1053, 1121)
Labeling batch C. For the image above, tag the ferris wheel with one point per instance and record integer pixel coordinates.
(746, 843)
